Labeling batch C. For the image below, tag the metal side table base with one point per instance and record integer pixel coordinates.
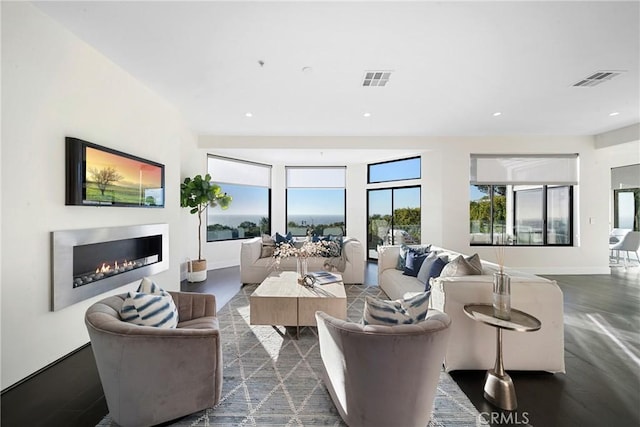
(499, 390)
(498, 387)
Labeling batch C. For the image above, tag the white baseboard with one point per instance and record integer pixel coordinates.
(564, 270)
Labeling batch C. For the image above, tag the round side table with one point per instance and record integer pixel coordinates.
(498, 387)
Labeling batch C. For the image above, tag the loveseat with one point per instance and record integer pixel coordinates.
(254, 268)
(472, 344)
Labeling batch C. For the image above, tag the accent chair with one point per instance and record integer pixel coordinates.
(383, 375)
(152, 375)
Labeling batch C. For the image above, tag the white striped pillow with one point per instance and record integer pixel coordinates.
(398, 312)
(150, 306)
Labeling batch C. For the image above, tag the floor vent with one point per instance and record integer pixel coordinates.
(376, 78)
(597, 78)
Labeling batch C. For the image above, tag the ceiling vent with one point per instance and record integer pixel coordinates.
(376, 78)
(598, 77)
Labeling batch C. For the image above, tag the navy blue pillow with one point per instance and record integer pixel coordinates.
(413, 263)
(279, 238)
(436, 269)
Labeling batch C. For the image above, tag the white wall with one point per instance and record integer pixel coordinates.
(445, 192)
(54, 85)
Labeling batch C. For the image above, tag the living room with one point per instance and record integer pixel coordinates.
(59, 79)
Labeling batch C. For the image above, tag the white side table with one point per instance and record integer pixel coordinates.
(498, 387)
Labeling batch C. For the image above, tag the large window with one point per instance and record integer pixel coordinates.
(250, 211)
(393, 213)
(316, 201)
(522, 199)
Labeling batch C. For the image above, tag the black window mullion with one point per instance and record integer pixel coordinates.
(545, 213)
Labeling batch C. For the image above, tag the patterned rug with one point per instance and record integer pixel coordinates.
(271, 379)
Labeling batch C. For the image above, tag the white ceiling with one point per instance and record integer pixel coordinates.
(454, 64)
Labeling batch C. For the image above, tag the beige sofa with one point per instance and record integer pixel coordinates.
(254, 269)
(472, 344)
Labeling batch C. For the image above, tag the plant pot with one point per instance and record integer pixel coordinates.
(197, 270)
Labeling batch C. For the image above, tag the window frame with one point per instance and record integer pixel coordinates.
(286, 194)
(545, 219)
(222, 183)
(369, 165)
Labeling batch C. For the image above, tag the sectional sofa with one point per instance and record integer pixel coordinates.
(254, 268)
(472, 345)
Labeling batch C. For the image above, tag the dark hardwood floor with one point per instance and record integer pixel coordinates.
(601, 386)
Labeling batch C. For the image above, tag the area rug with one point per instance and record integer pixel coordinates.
(272, 379)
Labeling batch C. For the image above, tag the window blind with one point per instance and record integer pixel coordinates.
(231, 171)
(524, 169)
(316, 177)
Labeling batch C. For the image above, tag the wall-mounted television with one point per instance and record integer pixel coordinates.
(100, 176)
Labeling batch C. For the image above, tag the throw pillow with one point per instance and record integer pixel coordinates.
(423, 275)
(413, 263)
(398, 312)
(268, 246)
(279, 238)
(462, 266)
(436, 269)
(402, 256)
(150, 305)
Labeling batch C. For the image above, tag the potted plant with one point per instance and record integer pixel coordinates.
(199, 193)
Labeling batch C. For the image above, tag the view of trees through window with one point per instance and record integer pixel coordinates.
(248, 215)
(520, 215)
(394, 217)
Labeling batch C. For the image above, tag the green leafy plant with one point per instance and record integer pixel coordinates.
(198, 193)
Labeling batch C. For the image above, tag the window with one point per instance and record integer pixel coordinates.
(249, 214)
(316, 201)
(393, 213)
(522, 199)
(625, 183)
(395, 170)
(393, 217)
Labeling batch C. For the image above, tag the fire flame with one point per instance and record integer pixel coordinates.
(105, 268)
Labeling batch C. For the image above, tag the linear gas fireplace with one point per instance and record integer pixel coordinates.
(89, 262)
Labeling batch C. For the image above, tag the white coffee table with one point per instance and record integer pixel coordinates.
(280, 300)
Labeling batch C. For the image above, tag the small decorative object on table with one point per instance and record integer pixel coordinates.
(301, 267)
(501, 290)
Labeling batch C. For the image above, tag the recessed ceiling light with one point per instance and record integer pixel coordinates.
(367, 114)
(497, 113)
(615, 113)
(248, 114)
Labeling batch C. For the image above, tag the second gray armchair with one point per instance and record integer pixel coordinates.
(383, 375)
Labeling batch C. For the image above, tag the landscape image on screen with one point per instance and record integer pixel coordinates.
(114, 179)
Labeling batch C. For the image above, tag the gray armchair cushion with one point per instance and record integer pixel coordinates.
(152, 375)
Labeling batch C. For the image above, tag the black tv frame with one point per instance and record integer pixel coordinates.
(76, 180)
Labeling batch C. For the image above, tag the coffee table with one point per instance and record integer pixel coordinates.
(280, 300)
(498, 386)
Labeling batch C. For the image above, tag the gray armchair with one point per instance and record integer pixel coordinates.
(152, 375)
(383, 375)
